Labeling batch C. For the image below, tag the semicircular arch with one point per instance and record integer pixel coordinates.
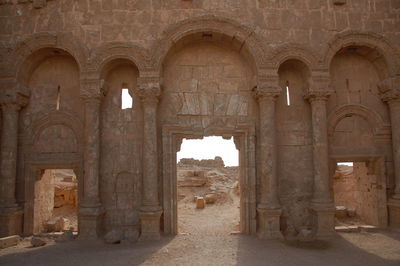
(294, 51)
(391, 54)
(209, 24)
(374, 119)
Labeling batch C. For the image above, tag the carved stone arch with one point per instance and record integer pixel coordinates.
(244, 36)
(297, 52)
(19, 58)
(376, 122)
(372, 40)
(118, 50)
(54, 119)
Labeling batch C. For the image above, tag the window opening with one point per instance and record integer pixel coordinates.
(58, 98)
(126, 99)
(287, 94)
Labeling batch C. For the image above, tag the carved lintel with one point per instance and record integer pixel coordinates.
(318, 95)
(17, 97)
(390, 89)
(91, 89)
(149, 92)
(263, 92)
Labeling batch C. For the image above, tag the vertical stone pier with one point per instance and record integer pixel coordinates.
(11, 102)
(322, 205)
(150, 211)
(390, 93)
(91, 211)
(269, 209)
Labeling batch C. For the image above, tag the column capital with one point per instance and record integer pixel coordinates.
(148, 92)
(266, 93)
(92, 89)
(390, 89)
(317, 95)
(14, 98)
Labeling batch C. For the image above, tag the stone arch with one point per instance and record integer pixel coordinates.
(109, 52)
(56, 119)
(391, 54)
(294, 51)
(230, 29)
(25, 57)
(374, 119)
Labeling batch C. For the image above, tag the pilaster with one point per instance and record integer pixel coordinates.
(269, 209)
(11, 102)
(390, 93)
(151, 210)
(322, 205)
(90, 210)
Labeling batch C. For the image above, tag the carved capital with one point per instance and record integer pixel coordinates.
(149, 92)
(15, 97)
(92, 89)
(266, 93)
(318, 95)
(390, 89)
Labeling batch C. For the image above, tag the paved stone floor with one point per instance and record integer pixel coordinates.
(379, 248)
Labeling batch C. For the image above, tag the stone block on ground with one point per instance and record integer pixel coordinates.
(305, 235)
(37, 241)
(210, 198)
(114, 237)
(341, 212)
(9, 241)
(200, 203)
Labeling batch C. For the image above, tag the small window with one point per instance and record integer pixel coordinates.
(287, 94)
(58, 98)
(126, 99)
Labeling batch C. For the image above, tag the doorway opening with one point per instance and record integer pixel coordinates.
(208, 186)
(359, 195)
(55, 202)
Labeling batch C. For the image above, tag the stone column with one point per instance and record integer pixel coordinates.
(322, 206)
(11, 103)
(91, 211)
(390, 89)
(151, 210)
(269, 209)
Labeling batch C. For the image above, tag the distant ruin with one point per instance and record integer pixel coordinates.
(300, 86)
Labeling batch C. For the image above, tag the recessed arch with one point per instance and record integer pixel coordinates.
(374, 119)
(108, 53)
(243, 38)
(53, 119)
(294, 51)
(390, 53)
(33, 50)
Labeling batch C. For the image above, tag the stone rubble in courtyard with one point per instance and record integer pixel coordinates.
(300, 86)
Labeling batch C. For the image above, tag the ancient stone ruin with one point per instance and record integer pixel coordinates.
(300, 85)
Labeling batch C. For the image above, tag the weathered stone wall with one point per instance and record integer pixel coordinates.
(44, 201)
(196, 64)
(217, 162)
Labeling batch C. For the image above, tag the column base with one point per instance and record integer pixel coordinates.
(323, 217)
(269, 223)
(11, 220)
(90, 223)
(394, 213)
(150, 224)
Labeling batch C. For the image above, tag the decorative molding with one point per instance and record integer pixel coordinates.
(390, 89)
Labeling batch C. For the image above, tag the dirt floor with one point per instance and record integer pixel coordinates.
(209, 237)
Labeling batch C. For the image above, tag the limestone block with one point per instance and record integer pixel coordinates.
(114, 236)
(210, 198)
(200, 203)
(37, 242)
(9, 241)
(341, 212)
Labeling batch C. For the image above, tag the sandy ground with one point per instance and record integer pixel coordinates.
(206, 239)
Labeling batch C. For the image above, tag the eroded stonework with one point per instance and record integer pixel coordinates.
(300, 85)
